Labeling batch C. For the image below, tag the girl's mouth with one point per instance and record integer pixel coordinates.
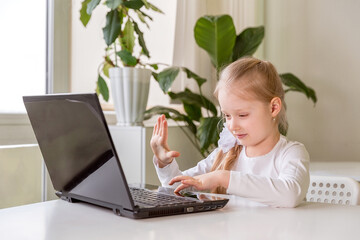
(240, 136)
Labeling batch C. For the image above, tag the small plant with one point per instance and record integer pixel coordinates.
(217, 36)
(121, 33)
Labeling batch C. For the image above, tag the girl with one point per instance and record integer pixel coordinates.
(253, 159)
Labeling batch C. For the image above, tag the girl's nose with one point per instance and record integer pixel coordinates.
(233, 125)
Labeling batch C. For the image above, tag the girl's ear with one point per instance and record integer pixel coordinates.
(275, 105)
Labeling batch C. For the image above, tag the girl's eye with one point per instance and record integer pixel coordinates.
(227, 116)
(243, 115)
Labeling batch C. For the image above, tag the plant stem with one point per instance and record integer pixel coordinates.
(100, 67)
(115, 55)
(202, 98)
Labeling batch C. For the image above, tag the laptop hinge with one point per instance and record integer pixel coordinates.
(118, 211)
(66, 198)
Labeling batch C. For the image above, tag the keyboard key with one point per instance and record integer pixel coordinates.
(144, 196)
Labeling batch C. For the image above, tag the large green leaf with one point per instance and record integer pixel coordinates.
(113, 26)
(133, 4)
(193, 111)
(127, 58)
(84, 16)
(189, 97)
(171, 113)
(113, 4)
(216, 35)
(197, 78)
(102, 88)
(128, 38)
(141, 40)
(91, 6)
(248, 41)
(295, 84)
(207, 132)
(312, 94)
(156, 76)
(167, 77)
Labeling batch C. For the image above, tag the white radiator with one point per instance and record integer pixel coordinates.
(20, 175)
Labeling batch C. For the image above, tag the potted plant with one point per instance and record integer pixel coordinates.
(128, 76)
(217, 36)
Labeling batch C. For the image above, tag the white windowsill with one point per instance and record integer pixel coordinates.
(16, 128)
(11, 119)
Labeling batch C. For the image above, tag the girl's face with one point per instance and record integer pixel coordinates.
(250, 121)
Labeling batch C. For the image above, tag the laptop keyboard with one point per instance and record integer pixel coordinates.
(147, 197)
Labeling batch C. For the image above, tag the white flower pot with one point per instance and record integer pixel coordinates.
(130, 91)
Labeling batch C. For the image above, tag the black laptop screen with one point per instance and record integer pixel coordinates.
(77, 148)
(71, 150)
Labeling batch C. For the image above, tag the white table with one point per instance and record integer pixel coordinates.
(342, 169)
(241, 219)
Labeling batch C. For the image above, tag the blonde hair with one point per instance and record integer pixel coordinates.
(257, 79)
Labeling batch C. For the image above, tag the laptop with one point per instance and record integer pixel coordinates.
(83, 164)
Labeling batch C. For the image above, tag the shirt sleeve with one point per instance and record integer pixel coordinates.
(288, 190)
(172, 170)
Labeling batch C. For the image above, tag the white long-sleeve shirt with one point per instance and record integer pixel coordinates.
(279, 178)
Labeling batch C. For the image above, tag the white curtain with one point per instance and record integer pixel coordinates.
(245, 13)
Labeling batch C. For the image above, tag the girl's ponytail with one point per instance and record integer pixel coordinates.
(225, 161)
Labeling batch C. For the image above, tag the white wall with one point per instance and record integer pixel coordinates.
(318, 41)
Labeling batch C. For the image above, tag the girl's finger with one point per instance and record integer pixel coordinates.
(192, 182)
(172, 181)
(158, 125)
(172, 154)
(181, 187)
(155, 130)
(178, 179)
(165, 129)
(161, 126)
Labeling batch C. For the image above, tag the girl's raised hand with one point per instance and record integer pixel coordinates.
(159, 143)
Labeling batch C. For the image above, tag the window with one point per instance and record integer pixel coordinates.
(23, 60)
(23, 52)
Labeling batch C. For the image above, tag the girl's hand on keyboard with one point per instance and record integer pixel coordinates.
(207, 181)
(159, 143)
